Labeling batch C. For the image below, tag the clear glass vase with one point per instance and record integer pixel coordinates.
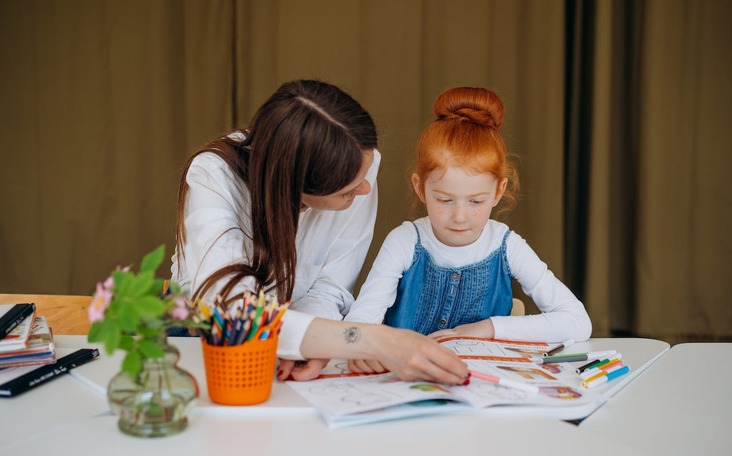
(156, 402)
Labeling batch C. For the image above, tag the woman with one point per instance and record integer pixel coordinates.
(288, 204)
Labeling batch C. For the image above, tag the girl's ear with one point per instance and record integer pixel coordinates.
(418, 188)
(500, 189)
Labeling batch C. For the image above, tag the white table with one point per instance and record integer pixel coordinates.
(74, 416)
(682, 405)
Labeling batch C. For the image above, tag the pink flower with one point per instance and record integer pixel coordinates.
(100, 302)
(180, 312)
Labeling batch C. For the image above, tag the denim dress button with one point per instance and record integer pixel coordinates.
(455, 276)
(443, 322)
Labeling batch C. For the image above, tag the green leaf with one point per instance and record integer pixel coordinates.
(152, 260)
(127, 317)
(106, 332)
(132, 363)
(156, 288)
(140, 284)
(149, 306)
(96, 332)
(126, 342)
(122, 281)
(150, 349)
(111, 341)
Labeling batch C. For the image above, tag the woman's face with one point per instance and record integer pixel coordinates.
(342, 199)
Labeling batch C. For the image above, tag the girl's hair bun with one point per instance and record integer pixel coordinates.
(472, 104)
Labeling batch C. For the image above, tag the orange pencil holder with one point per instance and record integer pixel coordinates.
(240, 374)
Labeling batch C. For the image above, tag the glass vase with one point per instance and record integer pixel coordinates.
(156, 402)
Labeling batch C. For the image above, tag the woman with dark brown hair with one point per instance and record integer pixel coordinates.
(289, 204)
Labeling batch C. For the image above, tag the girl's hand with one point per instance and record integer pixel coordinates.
(300, 370)
(483, 329)
(366, 366)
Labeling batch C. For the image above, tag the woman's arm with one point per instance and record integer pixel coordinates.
(411, 356)
(215, 222)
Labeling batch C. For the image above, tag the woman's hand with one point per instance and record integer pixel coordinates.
(300, 370)
(412, 356)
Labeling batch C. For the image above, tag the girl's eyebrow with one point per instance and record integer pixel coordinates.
(468, 196)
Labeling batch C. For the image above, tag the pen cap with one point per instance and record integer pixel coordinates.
(240, 374)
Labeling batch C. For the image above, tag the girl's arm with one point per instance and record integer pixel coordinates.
(379, 291)
(563, 315)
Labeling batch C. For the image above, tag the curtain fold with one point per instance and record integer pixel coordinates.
(616, 113)
(659, 213)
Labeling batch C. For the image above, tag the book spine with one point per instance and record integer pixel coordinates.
(14, 317)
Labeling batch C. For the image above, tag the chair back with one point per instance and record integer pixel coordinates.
(518, 308)
(65, 314)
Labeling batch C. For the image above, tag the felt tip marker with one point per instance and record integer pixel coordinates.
(572, 357)
(505, 382)
(600, 363)
(594, 381)
(609, 367)
(559, 347)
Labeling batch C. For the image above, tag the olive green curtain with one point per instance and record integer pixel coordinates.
(101, 102)
(661, 210)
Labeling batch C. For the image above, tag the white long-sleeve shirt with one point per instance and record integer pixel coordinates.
(331, 245)
(563, 315)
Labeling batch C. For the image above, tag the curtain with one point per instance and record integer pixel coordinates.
(101, 102)
(660, 212)
(615, 115)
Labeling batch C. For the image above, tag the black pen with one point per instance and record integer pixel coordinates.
(47, 372)
(587, 366)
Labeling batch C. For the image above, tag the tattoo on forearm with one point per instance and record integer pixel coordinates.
(352, 334)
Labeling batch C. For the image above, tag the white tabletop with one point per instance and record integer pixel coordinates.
(681, 405)
(71, 413)
(228, 432)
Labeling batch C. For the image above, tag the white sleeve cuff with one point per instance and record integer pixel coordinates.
(294, 325)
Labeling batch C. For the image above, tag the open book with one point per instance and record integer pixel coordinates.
(344, 398)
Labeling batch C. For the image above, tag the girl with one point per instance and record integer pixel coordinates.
(450, 273)
(287, 205)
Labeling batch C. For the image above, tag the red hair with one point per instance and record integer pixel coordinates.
(465, 134)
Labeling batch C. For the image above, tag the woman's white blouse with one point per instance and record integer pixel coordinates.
(331, 245)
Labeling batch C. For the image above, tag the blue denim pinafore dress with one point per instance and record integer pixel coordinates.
(431, 297)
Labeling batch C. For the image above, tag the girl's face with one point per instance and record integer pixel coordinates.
(459, 202)
(342, 199)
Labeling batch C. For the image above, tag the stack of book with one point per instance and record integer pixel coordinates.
(25, 338)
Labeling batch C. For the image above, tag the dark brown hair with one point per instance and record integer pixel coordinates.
(308, 137)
